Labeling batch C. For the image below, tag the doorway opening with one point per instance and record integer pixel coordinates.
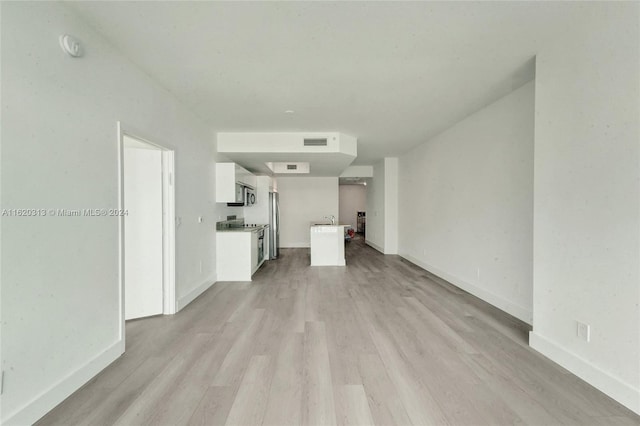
(353, 206)
(147, 231)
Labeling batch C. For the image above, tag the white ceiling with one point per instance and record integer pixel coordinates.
(393, 74)
(320, 164)
(253, 150)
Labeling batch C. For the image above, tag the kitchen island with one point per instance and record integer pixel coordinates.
(327, 245)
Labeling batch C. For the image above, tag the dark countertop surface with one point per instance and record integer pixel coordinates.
(243, 228)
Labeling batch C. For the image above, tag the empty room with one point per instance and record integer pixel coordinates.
(320, 213)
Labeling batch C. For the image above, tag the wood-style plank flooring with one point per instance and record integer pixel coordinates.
(378, 342)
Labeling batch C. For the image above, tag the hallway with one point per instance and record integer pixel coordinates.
(380, 341)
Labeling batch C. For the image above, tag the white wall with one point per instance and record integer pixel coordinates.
(353, 199)
(466, 203)
(375, 208)
(382, 207)
(60, 303)
(587, 215)
(304, 200)
(391, 175)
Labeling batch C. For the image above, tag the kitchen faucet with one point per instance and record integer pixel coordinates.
(332, 218)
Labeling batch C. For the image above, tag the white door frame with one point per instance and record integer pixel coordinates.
(169, 300)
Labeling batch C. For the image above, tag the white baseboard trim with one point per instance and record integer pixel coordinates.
(296, 245)
(622, 392)
(191, 296)
(340, 263)
(499, 302)
(374, 245)
(43, 403)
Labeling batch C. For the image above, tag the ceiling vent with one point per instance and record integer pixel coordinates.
(315, 142)
(290, 167)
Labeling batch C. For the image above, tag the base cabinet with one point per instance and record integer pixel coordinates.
(237, 255)
(327, 245)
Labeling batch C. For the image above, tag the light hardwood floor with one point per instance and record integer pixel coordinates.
(378, 342)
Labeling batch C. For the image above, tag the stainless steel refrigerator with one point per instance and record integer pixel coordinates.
(274, 225)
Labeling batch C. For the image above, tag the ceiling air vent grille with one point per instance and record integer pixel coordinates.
(292, 167)
(315, 142)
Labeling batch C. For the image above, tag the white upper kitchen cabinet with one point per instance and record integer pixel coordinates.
(245, 177)
(259, 212)
(227, 175)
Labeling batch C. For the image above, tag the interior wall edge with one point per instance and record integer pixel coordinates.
(296, 245)
(375, 246)
(514, 309)
(51, 397)
(183, 301)
(610, 385)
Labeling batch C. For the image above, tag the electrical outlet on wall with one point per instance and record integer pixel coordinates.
(583, 331)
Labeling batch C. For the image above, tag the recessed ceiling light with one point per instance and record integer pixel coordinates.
(289, 111)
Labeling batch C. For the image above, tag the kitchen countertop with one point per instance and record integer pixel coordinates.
(243, 228)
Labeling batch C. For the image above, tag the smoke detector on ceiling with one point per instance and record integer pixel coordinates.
(70, 45)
